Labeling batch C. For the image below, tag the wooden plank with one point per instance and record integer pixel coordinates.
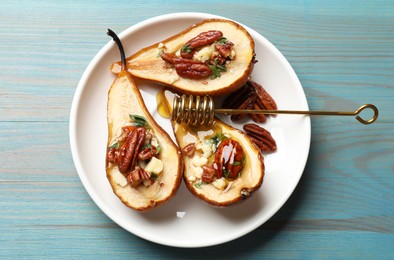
(343, 53)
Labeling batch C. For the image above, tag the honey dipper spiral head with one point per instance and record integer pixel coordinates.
(193, 110)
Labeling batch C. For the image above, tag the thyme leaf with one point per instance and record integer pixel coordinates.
(216, 139)
(158, 149)
(217, 69)
(222, 40)
(186, 48)
(146, 146)
(199, 184)
(114, 145)
(226, 173)
(138, 120)
(236, 163)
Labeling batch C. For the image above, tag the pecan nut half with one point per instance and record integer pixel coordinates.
(189, 150)
(138, 175)
(250, 96)
(192, 69)
(203, 39)
(147, 153)
(187, 68)
(229, 159)
(236, 98)
(208, 174)
(113, 155)
(129, 151)
(261, 137)
(224, 49)
(258, 118)
(265, 100)
(128, 129)
(247, 104)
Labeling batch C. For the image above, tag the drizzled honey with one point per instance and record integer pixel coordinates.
(163, 106)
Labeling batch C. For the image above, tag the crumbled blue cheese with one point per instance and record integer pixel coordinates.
(207, 149)
(191, 178)
(204, 54)
(232, 55)
(154, 166)
(199, 161)
(154, 142)
(198, 145)
(147, 182)
(220, 184)
(198, 172)
(119, 134)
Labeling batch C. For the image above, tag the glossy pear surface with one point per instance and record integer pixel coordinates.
(147, 63)
(250, 178)
(124, 99)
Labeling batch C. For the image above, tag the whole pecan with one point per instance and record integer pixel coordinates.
(187, 68)
(201, 40)
(228, 159)
(261, 137)
(129, 151)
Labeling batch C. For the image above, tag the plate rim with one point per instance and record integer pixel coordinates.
(74, 115)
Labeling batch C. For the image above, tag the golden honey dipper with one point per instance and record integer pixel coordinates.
(196, 110)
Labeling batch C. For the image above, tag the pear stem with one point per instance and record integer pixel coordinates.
(120, 46)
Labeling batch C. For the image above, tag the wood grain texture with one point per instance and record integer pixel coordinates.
(343, 53)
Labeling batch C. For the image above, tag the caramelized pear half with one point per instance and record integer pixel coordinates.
(206, 141)
(124, 99)
(148, 64)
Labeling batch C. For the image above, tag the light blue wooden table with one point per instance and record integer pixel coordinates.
(343, 53)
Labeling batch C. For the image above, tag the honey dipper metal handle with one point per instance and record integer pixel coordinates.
(200, 111)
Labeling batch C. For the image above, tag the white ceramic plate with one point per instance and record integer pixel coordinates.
(185, 221)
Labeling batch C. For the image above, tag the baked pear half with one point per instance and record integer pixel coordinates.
(222, 165)
(214, 57)
(143, 164)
